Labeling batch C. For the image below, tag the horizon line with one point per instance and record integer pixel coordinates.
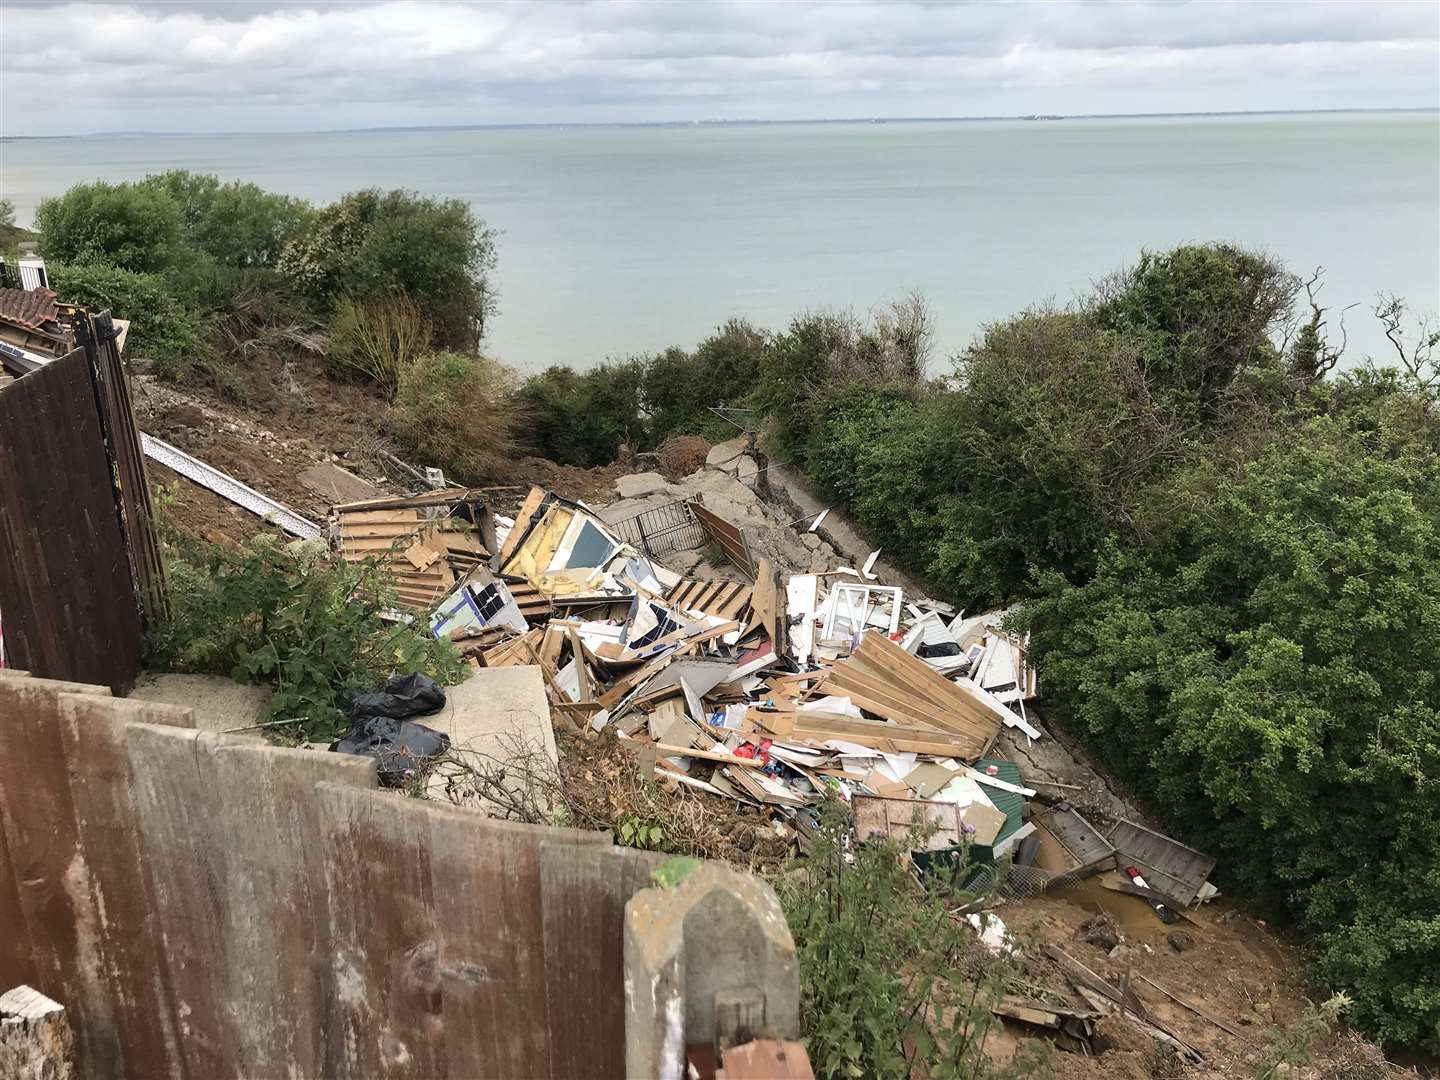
(737, 122)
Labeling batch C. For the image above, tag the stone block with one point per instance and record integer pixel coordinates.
(710, 960)
(640, 485)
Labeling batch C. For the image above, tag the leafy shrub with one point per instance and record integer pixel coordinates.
(377, 340)
(161, 328)
(129, 226)
(1202, 311)
(292, 615)
(457, 412)
(583, 418)
(681, 387)
(822, 353)
(371, 244)
(885, 966)
(1269, 676)
(236, 224)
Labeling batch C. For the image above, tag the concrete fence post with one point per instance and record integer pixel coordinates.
(709, 961)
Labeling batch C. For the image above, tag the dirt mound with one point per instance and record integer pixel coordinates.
(681, 455)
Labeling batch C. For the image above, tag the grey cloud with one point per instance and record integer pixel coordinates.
(260, 66)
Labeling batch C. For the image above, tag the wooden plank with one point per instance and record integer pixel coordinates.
(388, 1019)
(583, 895)
(1221, 1024)
(66, 585)
(492, 956)
(42, 836)
(274, 909)
(522, 524)
(726, 536)
(130, 945)
(890, 738)
(173, 810)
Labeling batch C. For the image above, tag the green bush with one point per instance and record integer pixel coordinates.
(376, 340)
(294, 616)
(823, 353)
(236, 224)
(1268, 674)
(161, 328)
(373, 244)
(129, 226)
(681, 387)
(892, 983)
(458, 413)
(583, 418)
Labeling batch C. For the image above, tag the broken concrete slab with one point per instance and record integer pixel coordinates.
(500, 714)
(641, 485)
(220, 704)
(725, 455)
(338, 485)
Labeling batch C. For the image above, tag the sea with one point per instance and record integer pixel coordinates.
(619, 240)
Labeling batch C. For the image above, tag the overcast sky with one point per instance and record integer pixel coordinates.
(240, 66)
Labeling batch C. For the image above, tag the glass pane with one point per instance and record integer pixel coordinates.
(591, 548)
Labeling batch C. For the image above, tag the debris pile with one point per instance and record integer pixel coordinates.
(767, 689)
(770, 686)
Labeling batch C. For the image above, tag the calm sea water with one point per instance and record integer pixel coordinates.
(621, 240)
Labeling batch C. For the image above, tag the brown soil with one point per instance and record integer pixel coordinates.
(291, 418)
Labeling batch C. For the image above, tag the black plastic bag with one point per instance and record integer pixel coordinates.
(402, 696)
(401, 748)
(378, 728)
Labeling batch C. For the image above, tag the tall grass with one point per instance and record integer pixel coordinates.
(375, 341)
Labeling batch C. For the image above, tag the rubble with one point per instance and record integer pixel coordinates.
(767, 676)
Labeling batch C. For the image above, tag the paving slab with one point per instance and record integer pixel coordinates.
(337, 484)
(219, 703)
(499, 713)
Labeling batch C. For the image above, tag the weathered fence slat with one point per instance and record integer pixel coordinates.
(38, 815)
(492, 957)
(389, 1021)
(173, 811)
(583, 894)
(92, 732)
(274, 911)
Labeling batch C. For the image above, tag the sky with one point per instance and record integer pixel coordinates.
(265, 67)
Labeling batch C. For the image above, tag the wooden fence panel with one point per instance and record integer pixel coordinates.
(92, 734)
(59, 914)
(389, 1020)
(15, 966)
(486, 877)
(66, 588)
(96, 335)
(231, 831)
(275, 914)
(583, 895)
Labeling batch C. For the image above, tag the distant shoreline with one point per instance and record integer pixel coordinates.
(739, 122)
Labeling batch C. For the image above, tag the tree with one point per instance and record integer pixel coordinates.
(1268, 678)
(1203, 311)
(582, 418)
(681, 387)
(371, 244)
(129, 226)
(236, 224)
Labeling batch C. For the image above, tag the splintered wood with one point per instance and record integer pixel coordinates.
(882, 678)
